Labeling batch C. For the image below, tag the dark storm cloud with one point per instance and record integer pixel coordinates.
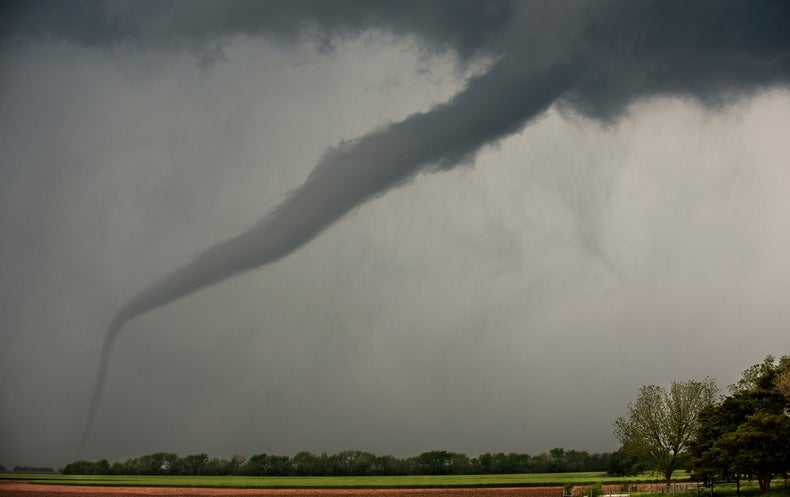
(594, 58)
(464, 26)
(713, 51)
(708, 49)
(601, 57)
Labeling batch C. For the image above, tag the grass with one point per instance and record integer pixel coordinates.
(424, 481)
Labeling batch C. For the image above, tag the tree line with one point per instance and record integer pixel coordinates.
(30, 469)
(690, 425)
(743, 435)
(346, 463)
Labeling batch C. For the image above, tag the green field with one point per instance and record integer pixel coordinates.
(524, 480)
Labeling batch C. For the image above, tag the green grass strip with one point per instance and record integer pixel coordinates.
(422, 481)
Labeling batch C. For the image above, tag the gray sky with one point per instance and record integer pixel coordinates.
(472, 229)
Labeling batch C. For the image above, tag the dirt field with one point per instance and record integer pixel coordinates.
(24, 489)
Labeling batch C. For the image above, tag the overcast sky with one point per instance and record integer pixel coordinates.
(476, 227)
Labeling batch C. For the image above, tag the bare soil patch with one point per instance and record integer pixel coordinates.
(24, 489)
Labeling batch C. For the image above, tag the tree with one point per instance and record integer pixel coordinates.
(748, 433)
(194, 464)
(266, 465)
(351, 463)
(622, 463)
(158, 463)
(783, 383)
(307, 464)
(661, 422)
(502, 463)
(441, 462)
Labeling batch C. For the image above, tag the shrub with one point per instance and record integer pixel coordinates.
(592, 490)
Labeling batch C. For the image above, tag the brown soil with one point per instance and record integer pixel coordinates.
(24, 489)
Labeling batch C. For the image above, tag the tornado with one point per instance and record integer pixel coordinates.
(492, 106)
(594, 58)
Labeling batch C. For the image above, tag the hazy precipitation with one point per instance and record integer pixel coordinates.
(593, 57)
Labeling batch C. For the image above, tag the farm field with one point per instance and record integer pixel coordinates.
(19, 488)
(524, 485)
(338, 482)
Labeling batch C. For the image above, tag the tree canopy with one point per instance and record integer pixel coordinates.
(747, 434)
(347, 463)
(661, 422)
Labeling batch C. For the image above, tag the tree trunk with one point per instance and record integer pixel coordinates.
(764, 479)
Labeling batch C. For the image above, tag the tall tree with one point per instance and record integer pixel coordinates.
(661, 422)
(748, 433)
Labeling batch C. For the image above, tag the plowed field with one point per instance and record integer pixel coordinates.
(24, 489)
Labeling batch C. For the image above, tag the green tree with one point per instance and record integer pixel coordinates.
(441, 462)
(387, 465)
(119, 468)
(171, 464)
(218, 466)
(266, 465)
(194, 464)
(748, 433)
(235, 464)
(306, 464)
(623, 463)
(661, 422)
(158, 463)
(558, 460)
